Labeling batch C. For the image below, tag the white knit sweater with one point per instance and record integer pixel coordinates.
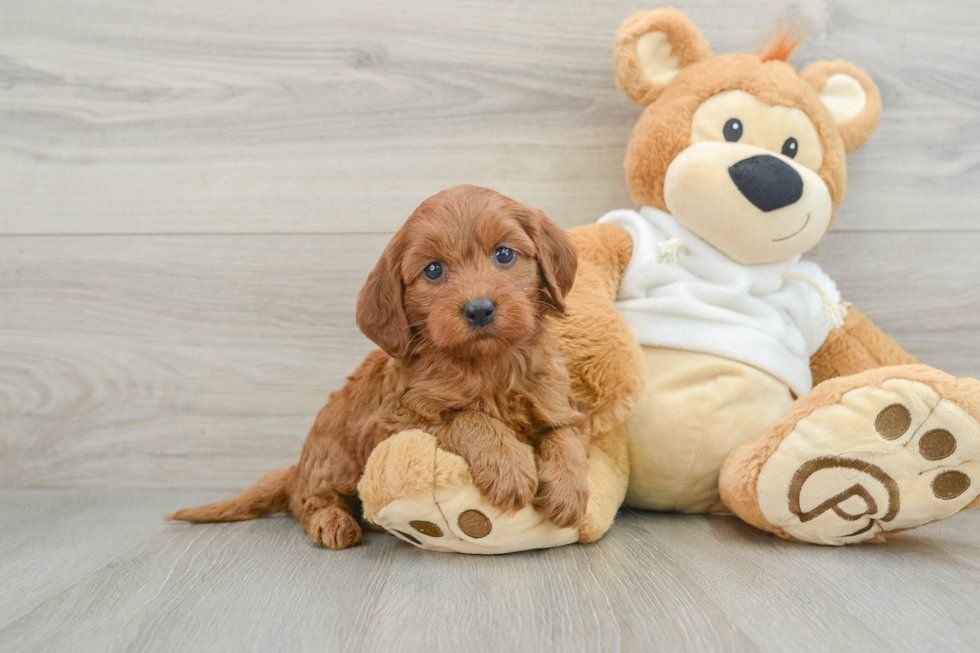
(680, 292)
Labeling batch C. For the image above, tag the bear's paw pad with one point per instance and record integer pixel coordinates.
(881, 459)
(425, 496)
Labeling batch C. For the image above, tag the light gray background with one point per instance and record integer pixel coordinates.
(191, 194)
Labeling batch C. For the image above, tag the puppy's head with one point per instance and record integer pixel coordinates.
(471, 273)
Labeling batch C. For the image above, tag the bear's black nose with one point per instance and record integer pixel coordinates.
(479, 312)
(767, 182)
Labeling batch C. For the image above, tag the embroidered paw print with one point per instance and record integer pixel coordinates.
(426, 497)
(894, 422)
(472, 523)
(881, 459)
(458, 519)
(422, 527)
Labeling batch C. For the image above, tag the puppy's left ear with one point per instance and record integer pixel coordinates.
(557, 258)
(851, 97)
(381, 304)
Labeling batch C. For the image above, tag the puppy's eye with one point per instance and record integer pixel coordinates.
(504, 256)
(790, 147)
(433, 271)
(733, 130)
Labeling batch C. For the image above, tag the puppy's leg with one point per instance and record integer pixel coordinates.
(502, 470)
(326, 475)
(563, 493)
(326, 519)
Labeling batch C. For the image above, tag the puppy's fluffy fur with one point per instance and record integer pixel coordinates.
(482, 391)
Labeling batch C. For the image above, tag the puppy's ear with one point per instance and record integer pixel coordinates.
(651, 48)
(557, 258)
(851, 97)
(381, 306)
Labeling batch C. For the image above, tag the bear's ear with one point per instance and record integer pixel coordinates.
(850, 96)
(652, 47)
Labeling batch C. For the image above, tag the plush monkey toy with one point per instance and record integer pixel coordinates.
(730, 377)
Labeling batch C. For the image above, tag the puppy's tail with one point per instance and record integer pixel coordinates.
(270, 494)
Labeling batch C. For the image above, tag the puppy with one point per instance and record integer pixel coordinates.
(458, 304)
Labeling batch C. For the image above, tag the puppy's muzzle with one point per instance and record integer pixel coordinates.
(479, 312)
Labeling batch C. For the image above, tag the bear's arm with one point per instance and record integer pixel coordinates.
(604, 359)
(606, 250)
(856, 347)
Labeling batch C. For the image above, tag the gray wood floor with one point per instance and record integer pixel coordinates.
(191, 195)
(98, 571)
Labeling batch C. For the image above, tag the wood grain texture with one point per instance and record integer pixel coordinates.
(309, 116)
(191, 195)
(49, 541)
(146, 353)
(654, 583)
(201, 361)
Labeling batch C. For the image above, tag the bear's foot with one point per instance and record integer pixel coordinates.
(426, 497)
(862, 456)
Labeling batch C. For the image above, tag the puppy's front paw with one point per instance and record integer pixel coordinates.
(333, 528)
(506, 477)
(562, 497)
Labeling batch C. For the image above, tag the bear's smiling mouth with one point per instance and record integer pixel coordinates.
(796, 233)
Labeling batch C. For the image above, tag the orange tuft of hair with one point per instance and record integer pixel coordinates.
(781, 42)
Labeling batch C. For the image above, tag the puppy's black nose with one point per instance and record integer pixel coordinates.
(479, 312)
(767, 182)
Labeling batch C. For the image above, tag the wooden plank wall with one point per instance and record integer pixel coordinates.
(191, 195)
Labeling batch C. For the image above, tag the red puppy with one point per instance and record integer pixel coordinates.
(458, 304)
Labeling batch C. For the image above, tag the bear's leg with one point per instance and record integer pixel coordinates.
(608, 474)
(425, 495)
(606, 366)
(861, 456)
(856, 347)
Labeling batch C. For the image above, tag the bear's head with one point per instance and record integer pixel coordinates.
(743, 150)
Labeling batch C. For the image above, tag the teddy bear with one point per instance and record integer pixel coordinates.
(723, 373)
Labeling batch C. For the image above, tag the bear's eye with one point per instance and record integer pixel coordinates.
(504, 256)
(433, 271)
(733, 130)
(790, 147)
